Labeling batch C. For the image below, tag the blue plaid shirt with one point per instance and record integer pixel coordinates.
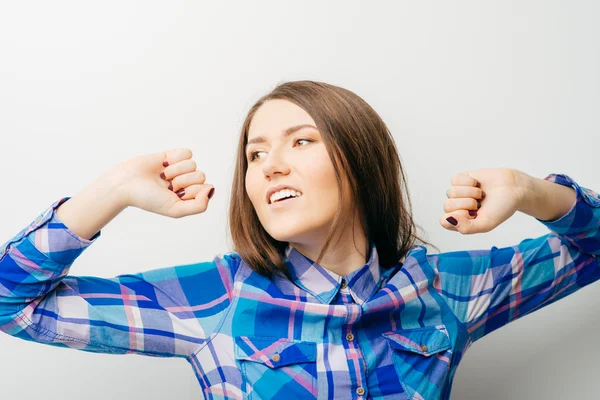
(395, 333)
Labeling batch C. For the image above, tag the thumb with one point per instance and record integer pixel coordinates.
(464, 223)
(197, 205)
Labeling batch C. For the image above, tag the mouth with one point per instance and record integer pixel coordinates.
(283, 202)
(277, 194)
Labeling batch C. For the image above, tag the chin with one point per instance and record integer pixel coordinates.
(284, 236)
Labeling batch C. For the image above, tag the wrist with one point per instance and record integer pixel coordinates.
(527, 191)
(113, 184)
(544, 200)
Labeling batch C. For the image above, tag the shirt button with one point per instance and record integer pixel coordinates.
(360, 391)
(276, 357)
(349, 337)
(344, 284)
(424, 348)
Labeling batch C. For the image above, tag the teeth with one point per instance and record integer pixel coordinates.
(284, 193)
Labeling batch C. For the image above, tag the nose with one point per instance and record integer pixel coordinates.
(275, 164)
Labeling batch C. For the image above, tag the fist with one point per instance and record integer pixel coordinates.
(166, 183)
(478, 201)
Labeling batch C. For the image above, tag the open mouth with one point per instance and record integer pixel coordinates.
(285, 200)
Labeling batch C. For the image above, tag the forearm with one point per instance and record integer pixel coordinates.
(545, 200)
(94, 207)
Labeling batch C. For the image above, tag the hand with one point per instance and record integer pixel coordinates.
(141, 184)
(491, 195)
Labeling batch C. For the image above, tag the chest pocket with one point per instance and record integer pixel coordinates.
(421, 358)
(277, 368)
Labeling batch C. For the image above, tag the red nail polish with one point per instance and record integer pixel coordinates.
(165, 163)
(478, 184)
(472, 213)
(170, 186)
(452, 220)
(210, 194)
(162, 175)
(181, 192)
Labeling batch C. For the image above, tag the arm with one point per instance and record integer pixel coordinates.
(487, 289)
(545, 200)
(163, 312)
(94, 207)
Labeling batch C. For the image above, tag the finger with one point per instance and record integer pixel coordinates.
(182, 167)
(174, 156)
(464, 179)
(465, 191)
(195, 205)
(454, 221)
(452, 205)
(188, 179)
(190, 192)
(464, 222)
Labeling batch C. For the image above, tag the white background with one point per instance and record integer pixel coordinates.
(462, 86)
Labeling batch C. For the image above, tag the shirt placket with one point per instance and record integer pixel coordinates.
(354, 355)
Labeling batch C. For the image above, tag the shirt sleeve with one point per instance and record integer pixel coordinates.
(487, 289)
(164, 312)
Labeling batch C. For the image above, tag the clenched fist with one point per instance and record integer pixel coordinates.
(165, 183)
(479, 201)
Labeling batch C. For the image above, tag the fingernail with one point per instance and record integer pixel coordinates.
(482, 194)
(472, 213)
(478, 184)
(452, 220)
(165, 163)
(210, 194)
(162, 175)
(170, 186)
(181, 192)
(478, 204)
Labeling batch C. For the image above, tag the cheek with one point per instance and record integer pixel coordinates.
(251, 191)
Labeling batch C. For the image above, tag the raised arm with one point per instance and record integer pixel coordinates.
(162, 312)
(487, 289)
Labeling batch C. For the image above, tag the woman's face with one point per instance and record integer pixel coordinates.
(290, 152)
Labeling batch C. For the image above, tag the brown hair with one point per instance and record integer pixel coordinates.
(359, 143)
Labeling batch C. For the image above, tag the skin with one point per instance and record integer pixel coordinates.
(305, 165)
(477, 201)
(150, 182)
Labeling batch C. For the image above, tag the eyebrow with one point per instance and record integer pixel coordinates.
(287, 132)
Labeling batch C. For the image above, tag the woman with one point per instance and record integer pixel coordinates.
(327, 293)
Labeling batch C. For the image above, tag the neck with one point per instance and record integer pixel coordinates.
(342, 258)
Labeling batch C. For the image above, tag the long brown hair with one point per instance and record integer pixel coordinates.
(359, 144)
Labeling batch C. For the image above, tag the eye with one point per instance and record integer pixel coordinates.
(305, 140)
(252, 155)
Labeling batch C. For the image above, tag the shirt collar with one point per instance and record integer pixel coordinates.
(324, 284)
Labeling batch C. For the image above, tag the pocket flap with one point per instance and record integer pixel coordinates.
(274, 352)
(425, 341)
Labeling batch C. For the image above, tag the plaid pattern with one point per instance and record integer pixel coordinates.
(395, 333)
